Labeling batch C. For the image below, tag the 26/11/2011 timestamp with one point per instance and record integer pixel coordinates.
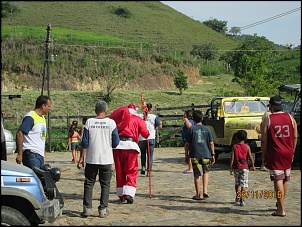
(259, 194)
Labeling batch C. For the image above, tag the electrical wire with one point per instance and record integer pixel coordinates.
(269, 19)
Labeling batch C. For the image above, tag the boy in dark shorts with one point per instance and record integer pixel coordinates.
(239, 166)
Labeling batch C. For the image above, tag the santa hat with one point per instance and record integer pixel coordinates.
(132, 106)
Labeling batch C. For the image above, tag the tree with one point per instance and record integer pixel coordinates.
(206, 51)
(181, 81)
(217, 25)
(252, 65)
(235, 31)
(114, 74)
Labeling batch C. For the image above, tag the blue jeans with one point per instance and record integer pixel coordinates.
(104, 172)
(143, 145)
(31, 159)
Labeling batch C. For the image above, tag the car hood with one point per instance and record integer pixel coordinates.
(14, 169)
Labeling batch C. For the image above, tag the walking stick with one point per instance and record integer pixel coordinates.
(145, 110)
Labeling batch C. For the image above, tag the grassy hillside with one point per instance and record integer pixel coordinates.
(82, 102)
(149, 22)
(97, 26)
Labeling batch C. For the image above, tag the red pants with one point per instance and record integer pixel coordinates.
(126, 167)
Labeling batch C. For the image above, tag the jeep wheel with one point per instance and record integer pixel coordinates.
(10, 216)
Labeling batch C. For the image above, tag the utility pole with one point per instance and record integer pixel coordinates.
(47, 70)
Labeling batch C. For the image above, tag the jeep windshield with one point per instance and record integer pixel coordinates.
(245, 106)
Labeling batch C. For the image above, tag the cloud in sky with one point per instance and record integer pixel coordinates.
(284, 29)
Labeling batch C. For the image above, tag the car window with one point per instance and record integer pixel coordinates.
(244, 106)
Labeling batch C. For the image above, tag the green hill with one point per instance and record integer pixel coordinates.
(141, 21)
(154, 39)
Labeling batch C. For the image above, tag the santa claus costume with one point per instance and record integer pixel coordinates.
(125, 155)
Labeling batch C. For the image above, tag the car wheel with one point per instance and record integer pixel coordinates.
(10, 216)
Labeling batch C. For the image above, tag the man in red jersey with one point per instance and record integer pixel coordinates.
(125, 155)
(278, 143)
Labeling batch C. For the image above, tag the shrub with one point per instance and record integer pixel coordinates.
(122, 12)
(209, 70)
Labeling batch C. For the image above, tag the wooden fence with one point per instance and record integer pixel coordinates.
(172, 118)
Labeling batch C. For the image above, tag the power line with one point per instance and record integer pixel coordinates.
(269, 19)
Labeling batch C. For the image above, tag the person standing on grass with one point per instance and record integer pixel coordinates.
(99, 137)
(187, 124)
(199, 147)
(278, 142)
(241, 152)
(31, 135)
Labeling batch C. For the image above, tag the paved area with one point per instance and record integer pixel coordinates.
(171, 201)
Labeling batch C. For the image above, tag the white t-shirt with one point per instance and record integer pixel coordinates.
(150, 125)
(99, 150)
(34, 138)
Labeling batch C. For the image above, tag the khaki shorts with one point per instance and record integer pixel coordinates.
(199, 164)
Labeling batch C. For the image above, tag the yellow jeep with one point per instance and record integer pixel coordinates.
(227, 115)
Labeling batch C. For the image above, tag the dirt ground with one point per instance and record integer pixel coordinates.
(169, 201)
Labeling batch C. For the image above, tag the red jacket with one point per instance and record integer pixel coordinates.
(129, 125)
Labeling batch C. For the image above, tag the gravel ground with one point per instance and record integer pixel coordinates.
(169, 202)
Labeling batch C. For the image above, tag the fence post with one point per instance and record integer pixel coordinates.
(67, 120)
(192, 106)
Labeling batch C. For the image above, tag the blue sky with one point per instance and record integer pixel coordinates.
(279, 21)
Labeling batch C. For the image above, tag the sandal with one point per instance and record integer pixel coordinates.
(263, 169)
(195, 198)
(187, 172)
(205, 196)
(279, 215)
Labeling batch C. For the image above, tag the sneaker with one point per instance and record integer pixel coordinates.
(205, 195)
(237, 201)
(129, 199)
(86, 212)
(143, 170)
(103, 214)
(242, 203)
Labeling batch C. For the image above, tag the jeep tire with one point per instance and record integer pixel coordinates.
(13, 217)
